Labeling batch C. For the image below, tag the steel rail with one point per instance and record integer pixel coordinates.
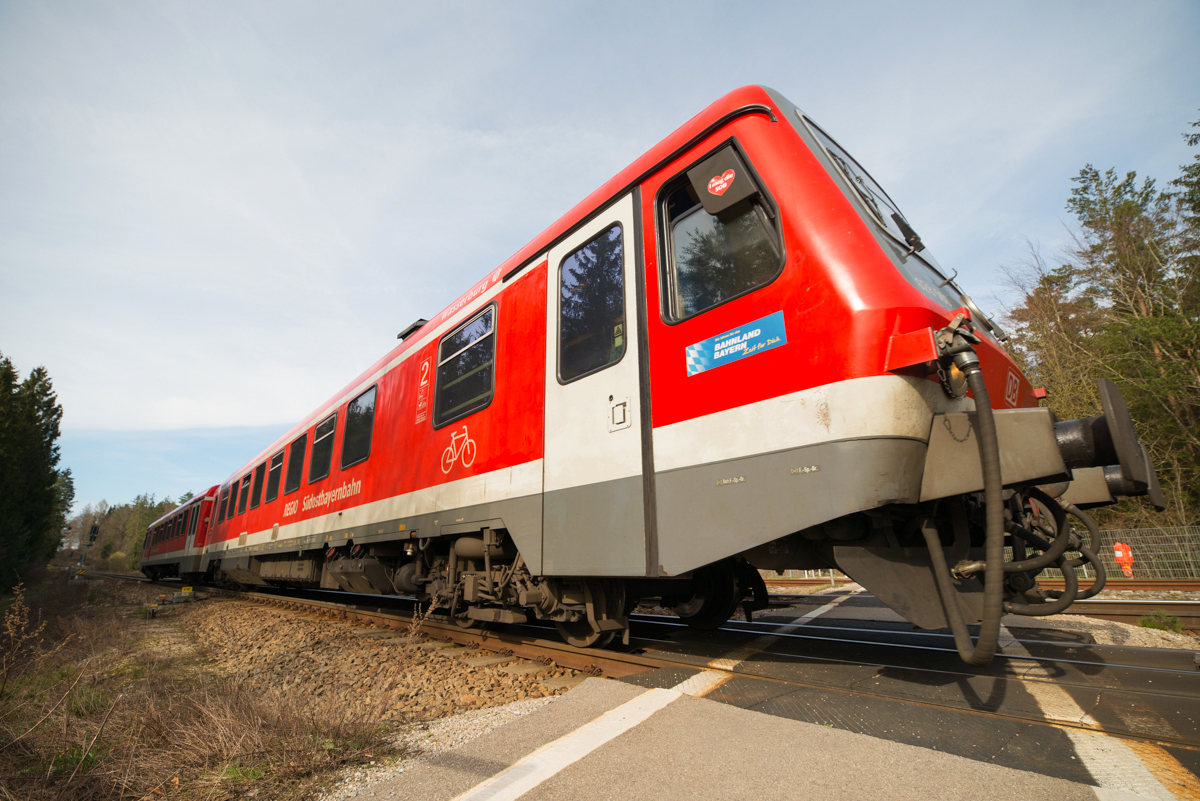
(589, 660)
(812, 632)
(1120, 610)
(1133, 585)
(617, 664)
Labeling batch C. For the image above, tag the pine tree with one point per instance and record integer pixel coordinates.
(35, 496)
(1126, 306)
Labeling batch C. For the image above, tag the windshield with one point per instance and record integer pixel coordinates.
(923, 272)
(877, 201)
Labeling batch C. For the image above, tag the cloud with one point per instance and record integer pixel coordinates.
(217, 215)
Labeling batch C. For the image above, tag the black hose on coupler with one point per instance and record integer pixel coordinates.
(982, 651)
(993, 497)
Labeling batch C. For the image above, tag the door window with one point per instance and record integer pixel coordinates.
(591, 307)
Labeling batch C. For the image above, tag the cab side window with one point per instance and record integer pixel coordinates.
(721, 235)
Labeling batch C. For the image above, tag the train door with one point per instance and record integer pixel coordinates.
(727, 475)
(593, 502)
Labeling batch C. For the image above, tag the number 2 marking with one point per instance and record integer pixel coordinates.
(425, 372)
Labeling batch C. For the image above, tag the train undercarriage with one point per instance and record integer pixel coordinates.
(897, 552)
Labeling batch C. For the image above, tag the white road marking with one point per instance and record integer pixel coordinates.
(735, 657)
(1112, 764)
(551, 758)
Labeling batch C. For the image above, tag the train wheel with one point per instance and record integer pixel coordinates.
(714, 598)
(581, 634)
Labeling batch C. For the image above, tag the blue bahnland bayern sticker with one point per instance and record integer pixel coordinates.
(742, 342)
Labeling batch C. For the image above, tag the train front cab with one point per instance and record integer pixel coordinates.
(797, 389)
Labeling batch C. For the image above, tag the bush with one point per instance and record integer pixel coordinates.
(1162, 621)
(117, 561)
(87, 711)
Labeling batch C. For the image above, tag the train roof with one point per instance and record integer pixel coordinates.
(746, 100)
(192, 501)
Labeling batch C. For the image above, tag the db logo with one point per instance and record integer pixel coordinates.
(1012, 388)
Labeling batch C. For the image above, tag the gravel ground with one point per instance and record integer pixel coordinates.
(421, 741)
(1108, 632)
(392, 677)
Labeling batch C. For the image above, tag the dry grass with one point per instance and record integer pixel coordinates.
(98, 702)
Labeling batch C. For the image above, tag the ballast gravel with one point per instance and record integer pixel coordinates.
(392, 676)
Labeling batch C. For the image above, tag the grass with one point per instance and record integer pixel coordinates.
(89, 710)
(1162, 621)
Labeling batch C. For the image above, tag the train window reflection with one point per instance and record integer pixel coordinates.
(360, 420)
(260, 474)
(245, 494)
(295, 470)
(224, 501)
(322, 449)
(466, 358)
(591, 311)
(195, 518)
(716, 258)
(233, 493)
(273, 476)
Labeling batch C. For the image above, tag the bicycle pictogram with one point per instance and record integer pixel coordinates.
(461, 445)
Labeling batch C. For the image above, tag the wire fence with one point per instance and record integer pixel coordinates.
(1146, 553)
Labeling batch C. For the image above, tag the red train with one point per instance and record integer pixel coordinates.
(736, 355)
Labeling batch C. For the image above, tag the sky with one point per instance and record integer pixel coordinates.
(215, 215)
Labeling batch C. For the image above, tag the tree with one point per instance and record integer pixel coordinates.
(1125, 305)
(35, 495)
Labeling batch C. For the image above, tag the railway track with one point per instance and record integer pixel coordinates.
(1131, 585)
(848, 664)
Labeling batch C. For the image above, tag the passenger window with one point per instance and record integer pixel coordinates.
(360, 420)
(244, 494)
(591, 308)
(273, 476)
(466, 358)
(721, 236)
(195, 518)
(260, 473)
(322, 451)
(224, 500)
(295, 470)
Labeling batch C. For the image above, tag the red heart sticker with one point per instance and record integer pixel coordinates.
(720, 183)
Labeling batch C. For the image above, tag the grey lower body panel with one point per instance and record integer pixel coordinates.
(521, 517)
(595, 530)
(704, 513)
(711, 511)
